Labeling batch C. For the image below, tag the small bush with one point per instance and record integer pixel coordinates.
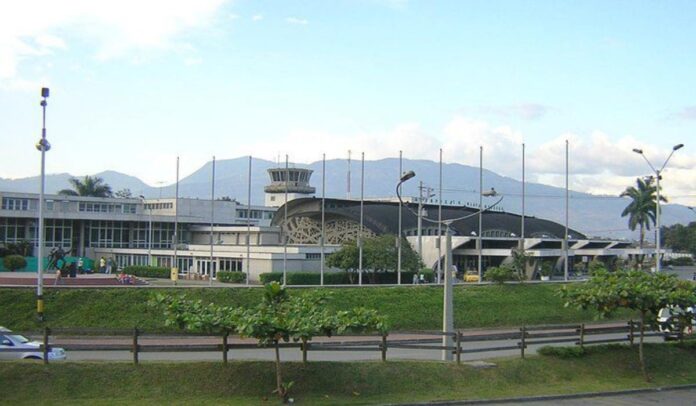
(500, 274)
(231, 277)
(148, 271)
(681, 261)
(596, 265)
(14, 262)
(562, 352)
(340, 278)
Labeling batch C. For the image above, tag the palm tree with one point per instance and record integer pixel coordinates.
(93, 186)
(641, 211)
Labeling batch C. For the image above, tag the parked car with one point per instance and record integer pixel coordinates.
(668, 319)
(15, 346)
(471, 276)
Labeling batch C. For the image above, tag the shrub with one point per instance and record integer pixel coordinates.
(595, 265)
(14, 262)
(500, 274)
(341, 278)
(546, 269)
(562, 352)
(681, 261)
(148, 271)
(231, 277)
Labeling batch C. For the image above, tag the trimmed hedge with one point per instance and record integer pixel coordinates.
(340, 278)
(148, 271)
(231, 276)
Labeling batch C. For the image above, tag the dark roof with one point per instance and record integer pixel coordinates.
(382, 218)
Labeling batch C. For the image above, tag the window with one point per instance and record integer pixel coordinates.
(313, 256)
(12, 230)
(107, 234)
(227, 264)
(12, 203)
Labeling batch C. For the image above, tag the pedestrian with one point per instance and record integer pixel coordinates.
(102, 265)
(415, 279)
(58, 280)
(80, 264)
(109, 265)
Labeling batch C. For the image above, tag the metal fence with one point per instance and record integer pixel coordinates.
(465, 342)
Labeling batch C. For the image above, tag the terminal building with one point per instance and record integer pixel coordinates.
(285, 234)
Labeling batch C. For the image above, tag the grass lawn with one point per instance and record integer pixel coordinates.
(605, 368)
(408, 308)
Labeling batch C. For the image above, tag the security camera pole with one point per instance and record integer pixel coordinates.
(43, 146)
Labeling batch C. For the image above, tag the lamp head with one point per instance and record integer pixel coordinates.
(407, 175)
(678, 146)
(638, 150)
(44, 92)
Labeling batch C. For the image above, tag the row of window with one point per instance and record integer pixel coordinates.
(295, 176)
(159, 206)
(12, 203)
(125, 208)
(255, 214)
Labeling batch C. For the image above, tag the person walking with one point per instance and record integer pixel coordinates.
(102, 265)
(109, 265)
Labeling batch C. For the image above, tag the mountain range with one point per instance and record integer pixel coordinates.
(594, 215)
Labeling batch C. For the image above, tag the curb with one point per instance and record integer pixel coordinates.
(552, 397)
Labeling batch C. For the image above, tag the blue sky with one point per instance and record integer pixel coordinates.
(134, 84)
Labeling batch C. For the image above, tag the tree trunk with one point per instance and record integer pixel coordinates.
(279, 376)
(641, 355)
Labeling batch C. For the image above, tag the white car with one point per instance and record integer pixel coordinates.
(15, 346)
(667, 321)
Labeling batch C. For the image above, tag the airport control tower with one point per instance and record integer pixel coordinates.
(296, 183)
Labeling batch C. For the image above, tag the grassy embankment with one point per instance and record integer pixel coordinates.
(408, 308)
(330, 383)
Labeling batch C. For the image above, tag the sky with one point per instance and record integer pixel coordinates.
(134, 84)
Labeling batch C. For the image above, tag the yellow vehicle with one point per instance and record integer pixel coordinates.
(471, 276)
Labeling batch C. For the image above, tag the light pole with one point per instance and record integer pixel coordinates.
(658, 173)
(447, 298)
(43, 145)
(404, 177)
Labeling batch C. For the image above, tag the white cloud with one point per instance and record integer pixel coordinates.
(597, 163)
(34, 28)
(257, 17)
(296, 21)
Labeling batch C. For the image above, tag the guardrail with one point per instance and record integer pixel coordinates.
(520, 339)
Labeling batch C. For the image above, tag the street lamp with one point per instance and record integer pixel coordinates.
(43, 145)
(404, 177)
(658, 173)
(420, 214)
(448, 305)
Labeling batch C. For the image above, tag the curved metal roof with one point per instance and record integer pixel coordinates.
(382, 218)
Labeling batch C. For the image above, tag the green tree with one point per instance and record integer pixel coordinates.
(279, 317)
(380, 254)
(644, 292)
(124, 194)
(93, 186)
(641, 210)
(14, 262)
(680, 238)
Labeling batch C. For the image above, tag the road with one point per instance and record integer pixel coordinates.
(673, 397)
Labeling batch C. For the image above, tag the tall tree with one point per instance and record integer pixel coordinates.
(641, 211)
(93, 186)
(379, 255)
